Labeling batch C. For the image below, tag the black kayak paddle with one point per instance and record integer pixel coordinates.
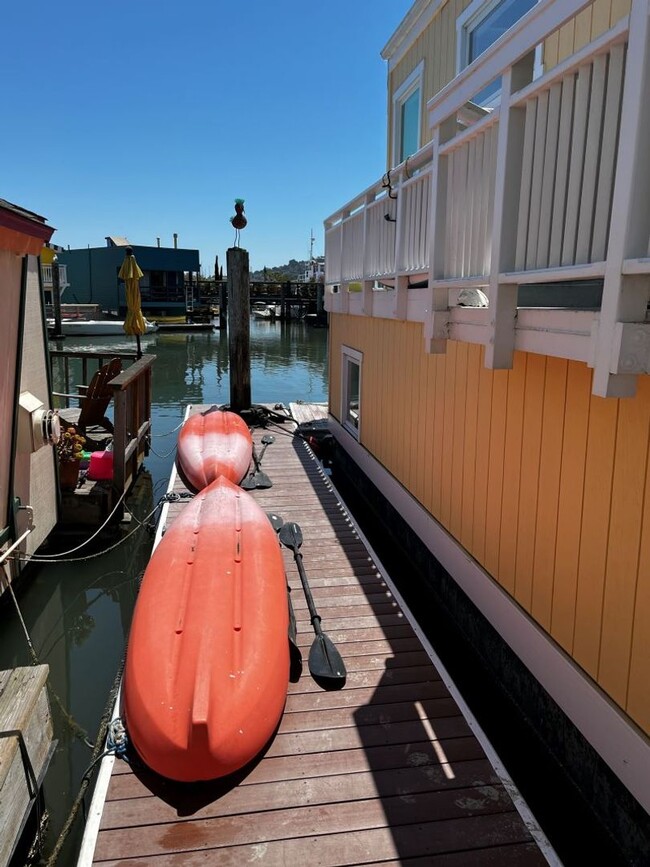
(325, 661)
(258, 479)
(295, 654)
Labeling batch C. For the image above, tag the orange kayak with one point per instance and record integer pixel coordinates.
(211, 444)
(207, 665)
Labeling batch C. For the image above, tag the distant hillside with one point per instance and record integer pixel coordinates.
(294, 270)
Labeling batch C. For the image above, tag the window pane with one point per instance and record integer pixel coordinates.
(495, 24)
(409, 124)
(353, 393)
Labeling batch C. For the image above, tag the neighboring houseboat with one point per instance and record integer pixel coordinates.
(489, 354)
(28, 484)
(169, 283)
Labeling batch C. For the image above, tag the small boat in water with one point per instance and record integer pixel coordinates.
(259, 310)
(207, 665)
(95, 327)
(212, 444)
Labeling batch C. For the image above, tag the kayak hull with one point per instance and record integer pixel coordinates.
(212, 444)
(207, 664)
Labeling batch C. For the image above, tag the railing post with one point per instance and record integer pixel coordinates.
(367, 284)
(401, 283)
(500, 342)
(119, 440)
(436, 326)
(621, 338)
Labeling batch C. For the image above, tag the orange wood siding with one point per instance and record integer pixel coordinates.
(545, 485)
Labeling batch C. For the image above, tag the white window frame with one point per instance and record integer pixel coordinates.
(470, 18)
(350, 356)
(403, 92)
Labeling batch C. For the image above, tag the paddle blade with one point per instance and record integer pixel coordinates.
(249, 483)
(291, 535)
(276, 520)
(325, 661)
(262, 480)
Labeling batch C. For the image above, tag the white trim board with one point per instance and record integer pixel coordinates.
(624, 748)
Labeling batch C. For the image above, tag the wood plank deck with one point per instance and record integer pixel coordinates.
(386, 770)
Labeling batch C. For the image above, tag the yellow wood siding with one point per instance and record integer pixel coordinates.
(583, 29)
(545, 485)
(436, 45)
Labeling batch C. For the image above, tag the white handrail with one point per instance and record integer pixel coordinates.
(13, 547)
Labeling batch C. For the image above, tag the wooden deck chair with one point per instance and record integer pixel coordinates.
(90, 417)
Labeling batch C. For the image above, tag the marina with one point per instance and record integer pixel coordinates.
(347, 564)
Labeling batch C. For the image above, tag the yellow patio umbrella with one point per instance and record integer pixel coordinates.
(131, 273)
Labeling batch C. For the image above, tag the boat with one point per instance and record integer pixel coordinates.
(211, 444)
(95, 327)
(260, 310)
(207, 665)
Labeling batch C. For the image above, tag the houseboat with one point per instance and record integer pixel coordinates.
(489, 359)
(28, 483)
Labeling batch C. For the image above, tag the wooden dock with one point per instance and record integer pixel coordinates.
(389, 769)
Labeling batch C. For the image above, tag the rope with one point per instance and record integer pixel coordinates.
(48, 559)
(26, 558)
(74, 727)
(98, 754)
(157, 454)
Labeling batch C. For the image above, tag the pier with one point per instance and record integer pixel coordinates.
(388, 768)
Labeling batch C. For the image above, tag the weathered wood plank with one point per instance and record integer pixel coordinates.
(24, 707)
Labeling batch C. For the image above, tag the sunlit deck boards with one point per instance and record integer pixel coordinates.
(384, 770)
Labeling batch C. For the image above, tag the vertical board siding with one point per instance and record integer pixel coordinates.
(628, 491)
(529, 478)
(569, 515)
(545, 485)
(470, 445)
(594, 539)
(512, 472)
(458, 442)
(638, 696)
(585, 27)
(484, 429)
(436, 45)
(548, 489)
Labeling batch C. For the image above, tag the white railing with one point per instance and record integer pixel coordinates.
(46, 276)
(552, 186)
(384, 232)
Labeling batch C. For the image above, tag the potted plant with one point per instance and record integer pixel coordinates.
(69, 450)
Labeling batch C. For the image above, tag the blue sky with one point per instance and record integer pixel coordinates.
(145, 118)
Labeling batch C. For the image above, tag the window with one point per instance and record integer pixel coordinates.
(351, 389)
(407, 110)
(480, 25)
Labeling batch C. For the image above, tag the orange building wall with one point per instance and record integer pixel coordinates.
(546, 486)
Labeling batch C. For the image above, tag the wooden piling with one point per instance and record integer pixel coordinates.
(239, 329)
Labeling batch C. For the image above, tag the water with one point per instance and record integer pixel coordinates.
(78, 614)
